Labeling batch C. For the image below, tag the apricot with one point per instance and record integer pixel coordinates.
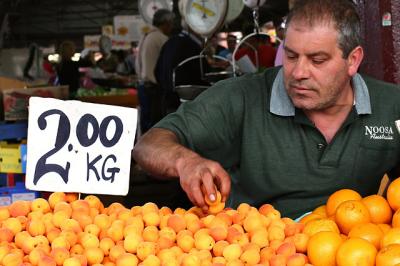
(19, 208)
(40, 204)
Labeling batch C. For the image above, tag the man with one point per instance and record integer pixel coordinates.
(290, 136)
(68, 70)
(149, 50)
(231, 41)
(108, 61)
(178, 48)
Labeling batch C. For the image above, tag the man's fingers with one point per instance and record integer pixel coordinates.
(197, 194)
(201, 180)
(209, 186)
(191, 188)
(224, 182)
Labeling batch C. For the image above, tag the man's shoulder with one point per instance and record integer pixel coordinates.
(379, 83)
(267, 76)
(155, 35)
(381, 88)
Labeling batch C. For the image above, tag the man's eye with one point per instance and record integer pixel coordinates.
(290, 56)
(318, 61)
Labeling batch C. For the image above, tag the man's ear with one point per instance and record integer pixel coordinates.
(354, 60)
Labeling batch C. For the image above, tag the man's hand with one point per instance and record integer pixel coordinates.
(200, 178)
(159, 153)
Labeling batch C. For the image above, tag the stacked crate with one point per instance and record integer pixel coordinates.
(13, 163)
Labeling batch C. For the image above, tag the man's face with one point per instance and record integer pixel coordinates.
(315, 73)
(69, 51)
(167, 28)
(231, 43)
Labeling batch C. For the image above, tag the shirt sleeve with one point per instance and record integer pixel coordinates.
(211, 124)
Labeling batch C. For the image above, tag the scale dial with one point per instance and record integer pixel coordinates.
(205, 17)
(234, 9)
(147, 8)
(254, 3)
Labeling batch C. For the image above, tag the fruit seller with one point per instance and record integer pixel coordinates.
(289, 136)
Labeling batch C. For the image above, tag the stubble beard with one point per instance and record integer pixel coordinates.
(317, 103)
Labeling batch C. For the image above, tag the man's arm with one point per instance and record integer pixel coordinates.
(159, 153)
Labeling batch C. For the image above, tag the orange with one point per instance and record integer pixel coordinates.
(357, 252)
(369, 231)
(351, 213)
(338, 197)
(388, 256)
(391, 237)
(378, 208)
(321, 210)
(322, 247)
(319, 225)
(396, 219)
(393, 194)
(310, 217)
(384, 227)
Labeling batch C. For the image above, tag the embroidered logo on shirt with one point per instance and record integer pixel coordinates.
(379, 132)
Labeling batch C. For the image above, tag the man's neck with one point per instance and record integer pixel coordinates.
(329, 120)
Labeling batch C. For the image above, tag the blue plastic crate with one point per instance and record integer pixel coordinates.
(23, 151)
(17, 130)
(9, 195)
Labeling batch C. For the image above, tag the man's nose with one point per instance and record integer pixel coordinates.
(301, 69)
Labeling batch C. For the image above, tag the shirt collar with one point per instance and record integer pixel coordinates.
(282, 105)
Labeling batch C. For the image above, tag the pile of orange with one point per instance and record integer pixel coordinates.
(351, 230)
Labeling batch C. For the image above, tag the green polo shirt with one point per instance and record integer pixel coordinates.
(272, 151)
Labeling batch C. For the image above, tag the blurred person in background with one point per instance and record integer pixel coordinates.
(122, 68)
(178, 48)
(231, 41)
(131, 58)
(214, 44)
(68, 70)
(108, 61)
(149, 49)
(211, 51)
(49, 69)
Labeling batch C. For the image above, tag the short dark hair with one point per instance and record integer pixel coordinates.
(162, 16)
(342, 13)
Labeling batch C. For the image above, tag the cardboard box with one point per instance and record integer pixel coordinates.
(10, 158)
(119, 100)
(6, 84)
(15, 101)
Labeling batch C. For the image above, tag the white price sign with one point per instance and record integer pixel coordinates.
(79, 147)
